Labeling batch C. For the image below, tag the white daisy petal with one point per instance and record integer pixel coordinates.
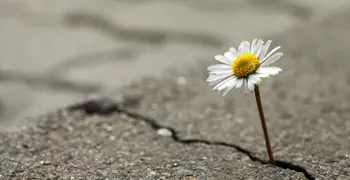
(219, 67)
(263, 75)
(255, 78)
(211, 83)
(223, 59)
(214, 77)
(258, 47)
(271, 52)
(258, 51)
(223, 82)
(230, 56)
(265, 49)
(253, 45)
(272, 59)
(269, 70)
(250, 85)
(239, 83)
(233, 50)
(245, 47)
(225, 91)
(239, 50)
(220, 72)
(227, 83)
(262, 51)
(219, 84)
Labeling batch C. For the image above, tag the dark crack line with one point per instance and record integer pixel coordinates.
(92, 59)
(270, 6)
(47, 81)
(104, 107)
(149, 36)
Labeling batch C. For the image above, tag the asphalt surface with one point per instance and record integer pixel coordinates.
(58, 52)
(307, 108)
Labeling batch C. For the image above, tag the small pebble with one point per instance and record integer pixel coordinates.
(44, 162)
(298, 159)
(164, 132)
(70, 128)
(188, 172)
(152, 173)
(245, 159)
(109, 128)
(166, 174)
(112, 138)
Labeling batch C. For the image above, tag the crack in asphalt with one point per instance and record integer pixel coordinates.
(149, 36)
(49, 82)
(91, 59)
(105, 107)
(285, 6)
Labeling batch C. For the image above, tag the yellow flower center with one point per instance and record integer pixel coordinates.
(245, 65)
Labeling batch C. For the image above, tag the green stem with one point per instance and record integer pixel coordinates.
(263, 123)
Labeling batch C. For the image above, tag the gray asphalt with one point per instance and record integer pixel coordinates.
(307, 109)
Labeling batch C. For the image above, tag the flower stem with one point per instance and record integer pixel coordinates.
(263, 123)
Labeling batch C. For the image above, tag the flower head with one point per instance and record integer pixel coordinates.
(244, 67)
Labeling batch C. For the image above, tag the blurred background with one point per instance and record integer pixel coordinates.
(55, 53)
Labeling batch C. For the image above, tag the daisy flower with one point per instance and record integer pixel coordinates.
(244, 67)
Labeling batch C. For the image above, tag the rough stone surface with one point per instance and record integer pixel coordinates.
(81, 147)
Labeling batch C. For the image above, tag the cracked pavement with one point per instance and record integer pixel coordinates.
(206, 136)
(55, 53)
